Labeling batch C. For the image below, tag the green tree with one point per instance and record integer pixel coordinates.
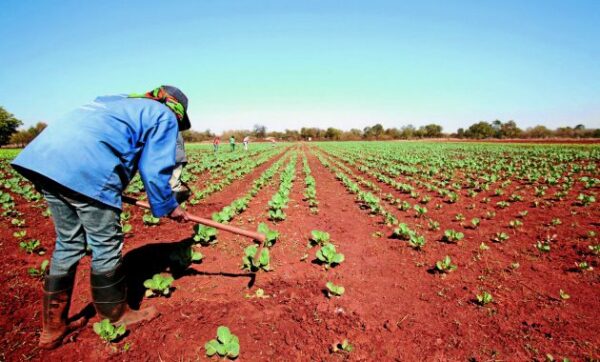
(259, 131)
(333, 133)
(480, 130)
(431, 131)
(8, 125)
(510, 130)
(22, 138)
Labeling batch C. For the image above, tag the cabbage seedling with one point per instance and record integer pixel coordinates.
(107, 331)
(158, 285)
(184, 256)
(453, 236)
(484, 298)
(38, 273)
(270, 235)
(251, 264)
(445, 265)
(227, 344)
(30, 246)
(345, 346)
(319, 237)
(150, 220)
(328, 255)
(334, 290)
(204, 235)
(416, 241)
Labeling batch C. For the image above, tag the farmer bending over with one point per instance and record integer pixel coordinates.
(81, 164)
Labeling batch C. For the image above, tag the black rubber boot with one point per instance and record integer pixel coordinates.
(109, 291)
(56, 302)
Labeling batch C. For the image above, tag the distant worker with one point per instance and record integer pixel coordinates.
(232, 142)
(81, 164)
(246, 141)
(216, 143)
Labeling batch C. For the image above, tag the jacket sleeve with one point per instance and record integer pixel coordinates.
(156, 166)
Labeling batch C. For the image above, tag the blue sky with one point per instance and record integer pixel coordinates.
(288, 64)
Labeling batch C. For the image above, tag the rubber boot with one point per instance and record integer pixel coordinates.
(56, 302)
(109, 291)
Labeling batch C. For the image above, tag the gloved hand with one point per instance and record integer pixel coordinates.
(182, 193)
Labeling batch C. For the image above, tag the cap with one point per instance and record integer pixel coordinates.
(176, 93)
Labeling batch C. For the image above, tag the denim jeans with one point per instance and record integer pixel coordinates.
(79, 220)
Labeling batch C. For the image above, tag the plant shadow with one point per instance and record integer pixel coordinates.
(144, 262)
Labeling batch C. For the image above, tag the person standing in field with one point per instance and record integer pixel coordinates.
(246, 141)
(81, 164)
(232, 142)
(216, 143)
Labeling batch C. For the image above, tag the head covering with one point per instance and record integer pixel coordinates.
(173, 98)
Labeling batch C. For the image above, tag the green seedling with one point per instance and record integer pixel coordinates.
(277, 215)
(416, 241)
(484, 298)
(185, 256)
(20, 234)
(445, 265)
(585, 200)
(584, 266)
(563, 295)
(402, 232)
(514, 224)
(319, 237)
(158, 285)
(475, 222)
(38, 272)
(453, 236)
(108, 331)
(30, 246)
(328, 255)
(543, 246)
(260, 293)
(205, 235)
(595, 249)
(344, 346)
(500, 237)
(483, 246)
(250, 263)
(433, 225)
(271, 236)
(334, 290)
(150, 220)
(227, 344)
(555, 221)
(459, 217)
(126, 228)
(18, 222)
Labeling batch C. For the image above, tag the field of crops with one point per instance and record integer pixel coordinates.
(376, 251)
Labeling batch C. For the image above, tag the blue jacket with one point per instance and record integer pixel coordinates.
(97, 149)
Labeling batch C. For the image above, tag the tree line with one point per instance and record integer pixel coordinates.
(12, 135)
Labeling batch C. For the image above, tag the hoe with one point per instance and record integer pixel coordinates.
(232, 229)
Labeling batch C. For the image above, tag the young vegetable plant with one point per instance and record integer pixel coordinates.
(250, 263)
(475, 222)
(38, 272)
(328, 255)
(31, 246)
(402, 232)
(205, 235)
(334, 290)
(500, 237)
(150, 220)
(271, 236)
(184, 256)
(584, 266)
(158, 285)
(107, 331)
(417, 242)
(453, 236)
(227, 344)
(344, 346)
(445, 265)
(319, 237)
(20, 234)
(484, 298)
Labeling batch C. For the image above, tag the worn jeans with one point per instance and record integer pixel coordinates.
(79, 220)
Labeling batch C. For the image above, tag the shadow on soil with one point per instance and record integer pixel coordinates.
(142, 263)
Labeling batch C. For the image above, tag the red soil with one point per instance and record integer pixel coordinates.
(394, 308)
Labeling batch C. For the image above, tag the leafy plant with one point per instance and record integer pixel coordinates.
(402, 232)
(584, 266)
(270, 235)
(445, 265)
(250, 263)
(204, 235)
(30, 246)
(334, 290)
(453, 236)
(38, 272)
(107, 331)
(543, 246)
(226, 344)
(475, 222)
(344, 346)
(20, 234)
(564, 295)
(126, 228)
(185, 255)
(514, 224)
(319, 237)
(158, 285)
(277, 215)
(434, 225)
(484, 298)
(150, 220)
(500, 237)
(585, 200)
(416, 241)
(328, 255)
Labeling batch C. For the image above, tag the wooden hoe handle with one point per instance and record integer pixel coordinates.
(203, 221)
